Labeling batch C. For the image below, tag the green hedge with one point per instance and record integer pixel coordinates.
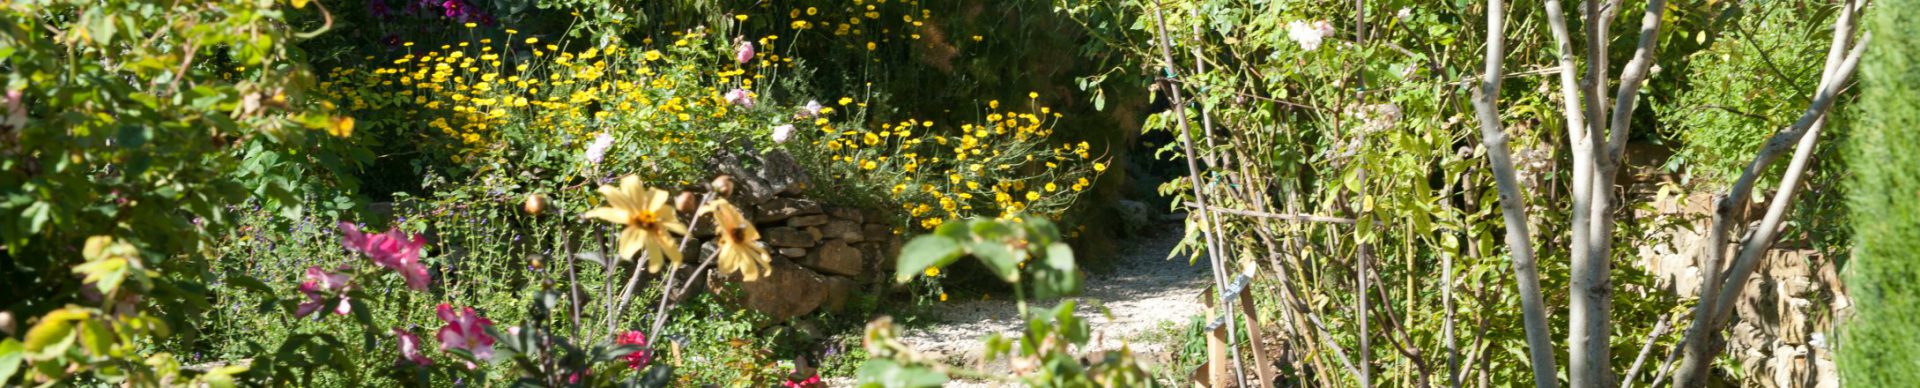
(1882, 347)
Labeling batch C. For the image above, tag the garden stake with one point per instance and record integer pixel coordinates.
(1193, 172)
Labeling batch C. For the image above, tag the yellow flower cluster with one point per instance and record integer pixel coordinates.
(1002, 167)
(469, 98)
(858, 24)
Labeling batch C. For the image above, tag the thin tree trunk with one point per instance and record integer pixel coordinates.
(1591, 364)
(1485, 102)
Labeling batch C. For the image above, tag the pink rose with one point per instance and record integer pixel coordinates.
(740, 97)
(744, 53)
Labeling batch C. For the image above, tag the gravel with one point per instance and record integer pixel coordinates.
(1144, 289)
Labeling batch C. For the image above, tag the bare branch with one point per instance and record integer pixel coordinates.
(1277, 216)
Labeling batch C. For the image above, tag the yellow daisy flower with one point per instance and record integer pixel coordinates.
(738, 242)
(650, 223)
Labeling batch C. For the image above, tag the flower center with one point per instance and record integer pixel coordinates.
(644, 220)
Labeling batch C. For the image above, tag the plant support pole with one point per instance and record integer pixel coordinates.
(1193, 173)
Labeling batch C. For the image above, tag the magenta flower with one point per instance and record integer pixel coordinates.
(394, 249)
(410, 348)
(454, 9)
(379, 8)
(318, 286)
(639, 358)
(744, 53)
(740, 97)
(465, 330)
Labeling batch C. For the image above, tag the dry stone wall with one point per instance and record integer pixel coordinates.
(821, 253)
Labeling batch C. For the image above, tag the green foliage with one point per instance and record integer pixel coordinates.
(1880, 345)
(1754, 78)
(129, 127)
(1043, 354)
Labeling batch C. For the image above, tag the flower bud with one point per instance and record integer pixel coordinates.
(722, 186)
(687, 202)
(536, 203)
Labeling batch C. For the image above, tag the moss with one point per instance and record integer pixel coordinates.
(1882, 345)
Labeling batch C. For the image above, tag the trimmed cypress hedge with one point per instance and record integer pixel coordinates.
(1881, 347)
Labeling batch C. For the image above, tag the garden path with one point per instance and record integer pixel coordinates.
(1143, 289)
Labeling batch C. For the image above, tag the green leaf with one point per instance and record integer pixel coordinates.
(105, 274)
(998, 257)
(925, 251)
(888, 374)
(250, 283)
(11, 354)
(1057, 276)
(51, 337)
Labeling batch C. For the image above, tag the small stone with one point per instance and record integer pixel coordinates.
(839, 289)
(789, 291)
(780, 209)
(702, 229)
(842, 229)
(788, 237)
(782, 173)
(846, 213)
(835, 257)
(807, 220)
(794, 253)
(875, 232)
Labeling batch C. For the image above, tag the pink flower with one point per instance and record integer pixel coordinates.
(465, 330)
(598, 150)
(410, 348)
(394, 249)
(740, 97)
(319, 285)
(782, 133)
(744, 53)
(639, 358)
(811, 109)
(16, 110)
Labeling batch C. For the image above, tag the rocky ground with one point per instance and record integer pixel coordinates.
(1142, 290)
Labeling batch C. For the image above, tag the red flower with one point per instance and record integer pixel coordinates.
(639, 358)
(809, 382)
(466, 330)
(394, 249)
(318, 286)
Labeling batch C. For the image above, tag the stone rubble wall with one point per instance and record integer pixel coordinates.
(1781, 333)
(821, 253)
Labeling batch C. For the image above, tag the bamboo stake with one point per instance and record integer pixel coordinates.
(1193, 166)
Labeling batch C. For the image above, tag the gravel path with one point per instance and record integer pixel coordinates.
(1143, 289)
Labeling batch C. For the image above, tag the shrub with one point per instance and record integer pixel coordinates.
(1880, 344)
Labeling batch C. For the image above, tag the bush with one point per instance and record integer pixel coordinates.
(1880, 344)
